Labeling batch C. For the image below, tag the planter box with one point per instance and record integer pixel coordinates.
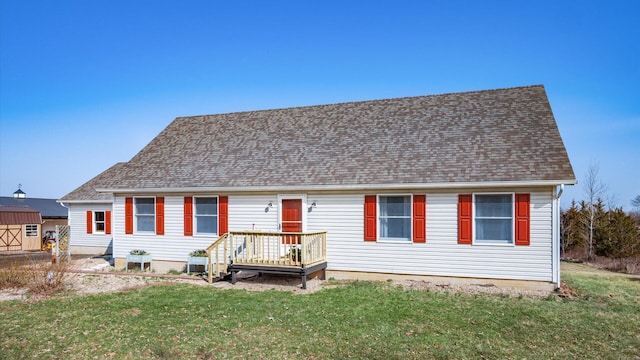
(139, 259)
(197, 260)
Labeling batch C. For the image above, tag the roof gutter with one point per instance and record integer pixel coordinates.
(85, 201)
(556, 214)
(340, 187)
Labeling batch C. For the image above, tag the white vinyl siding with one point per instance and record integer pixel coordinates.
(78, 236)
(245, 213)
(342, 216)
(441, 255)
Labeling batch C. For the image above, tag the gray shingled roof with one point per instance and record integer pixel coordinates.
(49, 208)
(87, 191)
(504, 135)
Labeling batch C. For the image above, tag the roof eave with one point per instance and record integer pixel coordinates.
(85, 201)
(338, 187)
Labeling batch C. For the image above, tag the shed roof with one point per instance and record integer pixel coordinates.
(503, 135)
(19, 215)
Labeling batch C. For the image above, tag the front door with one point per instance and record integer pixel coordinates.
(291, 219)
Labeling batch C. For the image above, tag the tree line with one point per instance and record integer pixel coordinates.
(590, 228)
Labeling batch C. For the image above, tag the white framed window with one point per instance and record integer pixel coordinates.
(394, 217)
(493, 219)
(145, 214)
(206, 215)
(98, 222)
(31, 230)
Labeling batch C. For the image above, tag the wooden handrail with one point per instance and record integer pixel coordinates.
(290, 249)
(210, 248)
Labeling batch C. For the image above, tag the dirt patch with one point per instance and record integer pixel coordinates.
(567, 292)
(96, 275)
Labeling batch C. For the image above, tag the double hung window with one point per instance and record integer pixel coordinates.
(494, 219)
(99, 221)
(145, 214)
(206, 215)
(394, 218)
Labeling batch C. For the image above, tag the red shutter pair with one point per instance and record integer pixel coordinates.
(223, 215)
(128, 215)
(419, 218)
(107, 222)
(465, 219)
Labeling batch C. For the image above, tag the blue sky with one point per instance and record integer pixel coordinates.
(86, 84)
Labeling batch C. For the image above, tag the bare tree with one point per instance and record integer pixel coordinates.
(594, 190)
(635, 202)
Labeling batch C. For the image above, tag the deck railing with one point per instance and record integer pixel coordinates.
(266, 248)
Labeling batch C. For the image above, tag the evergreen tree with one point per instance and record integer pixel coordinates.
(618, 235)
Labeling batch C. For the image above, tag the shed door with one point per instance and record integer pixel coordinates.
(291, 219)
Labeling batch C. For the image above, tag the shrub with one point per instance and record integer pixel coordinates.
(41, 279)
(199, 253)
(138, 252)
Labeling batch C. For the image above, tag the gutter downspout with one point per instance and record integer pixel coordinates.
(556, 236)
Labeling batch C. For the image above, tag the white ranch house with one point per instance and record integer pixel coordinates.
(464, 186)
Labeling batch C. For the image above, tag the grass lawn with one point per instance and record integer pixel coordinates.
(353, 320)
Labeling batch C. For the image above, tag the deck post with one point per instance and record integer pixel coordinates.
(209, 273)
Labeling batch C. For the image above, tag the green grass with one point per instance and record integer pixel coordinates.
(354, 320)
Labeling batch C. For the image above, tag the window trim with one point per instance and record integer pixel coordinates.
(135, 216)
(513, 220)
(27, 231)
(379, 238)
(95, 222)
(195, 216)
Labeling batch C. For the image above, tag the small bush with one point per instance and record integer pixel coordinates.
(199, 253)
(626, 265)
(138, 252)
(40, 279)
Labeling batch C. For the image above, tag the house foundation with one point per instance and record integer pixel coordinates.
(500, 283)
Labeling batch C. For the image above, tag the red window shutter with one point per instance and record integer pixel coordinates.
(223, 215)
(89, 222)
(370, 217)
(128, 215)
(419, 218)
(107, 222)
(522, 219)
(188, 216)
(465, 203)
(159, 215)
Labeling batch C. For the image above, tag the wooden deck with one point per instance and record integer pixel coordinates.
(268, 252)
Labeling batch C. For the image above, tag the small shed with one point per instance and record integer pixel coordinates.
(20, 228)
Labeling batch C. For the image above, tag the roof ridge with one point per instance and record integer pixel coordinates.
(363, 101)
